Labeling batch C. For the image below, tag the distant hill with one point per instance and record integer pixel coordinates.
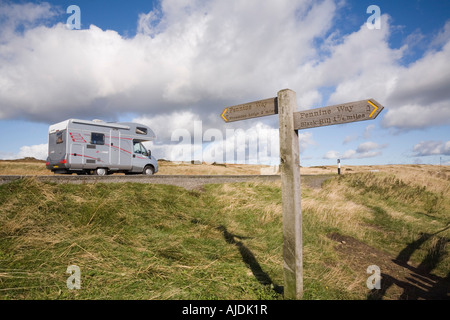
(26, 159)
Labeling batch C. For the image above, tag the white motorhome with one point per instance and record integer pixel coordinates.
(100, 148)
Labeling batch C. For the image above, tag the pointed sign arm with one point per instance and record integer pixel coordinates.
(337, 114)
(250, 110)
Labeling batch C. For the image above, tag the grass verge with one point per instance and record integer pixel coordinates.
(143, 241)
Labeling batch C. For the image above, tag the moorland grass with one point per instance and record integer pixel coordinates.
(144, 241)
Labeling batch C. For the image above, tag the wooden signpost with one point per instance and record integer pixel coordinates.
(290, 121)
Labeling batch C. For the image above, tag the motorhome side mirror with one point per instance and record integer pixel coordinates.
(149, 154)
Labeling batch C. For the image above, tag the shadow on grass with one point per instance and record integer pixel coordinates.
(420, 284)
(417, 287)
(381, 218)
(250, 260)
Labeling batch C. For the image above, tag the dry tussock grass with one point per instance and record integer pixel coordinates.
(335, 213)
(270, 212)
(246, 196)
(22, 168)
(171, 168)
(434, 178)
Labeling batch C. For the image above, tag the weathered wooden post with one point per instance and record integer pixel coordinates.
(291, 196)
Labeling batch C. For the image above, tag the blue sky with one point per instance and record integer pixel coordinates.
(172, 63)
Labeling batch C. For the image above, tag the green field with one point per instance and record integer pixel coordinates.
(143, 241)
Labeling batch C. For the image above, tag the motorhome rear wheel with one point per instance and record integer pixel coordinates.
(101, 172)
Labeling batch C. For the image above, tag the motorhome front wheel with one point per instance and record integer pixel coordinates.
(148, 171)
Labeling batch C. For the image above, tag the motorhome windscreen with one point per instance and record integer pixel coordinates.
(139, 148)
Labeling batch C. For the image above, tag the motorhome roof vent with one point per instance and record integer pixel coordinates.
(98, 120)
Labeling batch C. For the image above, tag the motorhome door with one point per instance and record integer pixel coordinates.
(140, 156)
(114, 150)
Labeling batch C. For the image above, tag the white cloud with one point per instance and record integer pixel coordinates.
(422, 92)
(366, 135)
(349, 154)
(38, 151)
(165, 124)
(26, 15)
(7, 155)
(367, 149)
(429, 148)
(364, 66)
(443, 36)
(306, 140)
(187, 55)
(191, 59)
(332, 154)
(361, 65)
(416, 116)
(350, 138)
(368, 131)
(368, 146)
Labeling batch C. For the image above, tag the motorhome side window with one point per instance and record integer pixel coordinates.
(59, 137)
(97, 138)
(140, 130)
